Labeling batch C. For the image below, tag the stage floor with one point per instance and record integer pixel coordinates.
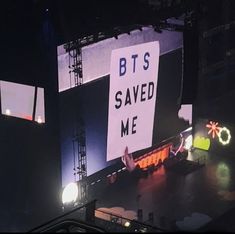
(178, 201)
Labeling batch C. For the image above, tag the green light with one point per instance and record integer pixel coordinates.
(202, 143)
(223, 175)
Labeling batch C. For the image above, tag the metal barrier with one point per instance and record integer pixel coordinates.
(70, 226)
(63, 223)
(127, 224)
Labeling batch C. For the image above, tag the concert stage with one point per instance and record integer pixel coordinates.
(178, 202)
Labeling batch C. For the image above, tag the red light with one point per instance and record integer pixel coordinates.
(28, 117)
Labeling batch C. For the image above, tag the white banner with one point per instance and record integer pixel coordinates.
(132, 96)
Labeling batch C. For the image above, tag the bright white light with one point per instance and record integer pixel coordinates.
(8, 112)
(70, 193)
(188, 142)
(39, 120)
(127, 224)
(188, 129)
(226, 131)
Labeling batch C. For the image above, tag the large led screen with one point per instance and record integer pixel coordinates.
(85, 115)
(96, 57)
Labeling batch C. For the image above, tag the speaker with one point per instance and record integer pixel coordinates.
(190, 61)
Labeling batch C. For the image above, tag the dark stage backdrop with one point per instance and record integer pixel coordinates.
(89, 102)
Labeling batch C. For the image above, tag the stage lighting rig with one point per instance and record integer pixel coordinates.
(75, 60)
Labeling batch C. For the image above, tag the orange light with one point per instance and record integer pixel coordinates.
(145, 164)
(154, 157)
(150, 159)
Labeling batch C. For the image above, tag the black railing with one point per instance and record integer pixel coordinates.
(70, 225)
(133, 225)
(62, 222)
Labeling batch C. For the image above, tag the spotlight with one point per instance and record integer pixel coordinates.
(8, 112)
(39, 119)
(70, 193)
(127, 224)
